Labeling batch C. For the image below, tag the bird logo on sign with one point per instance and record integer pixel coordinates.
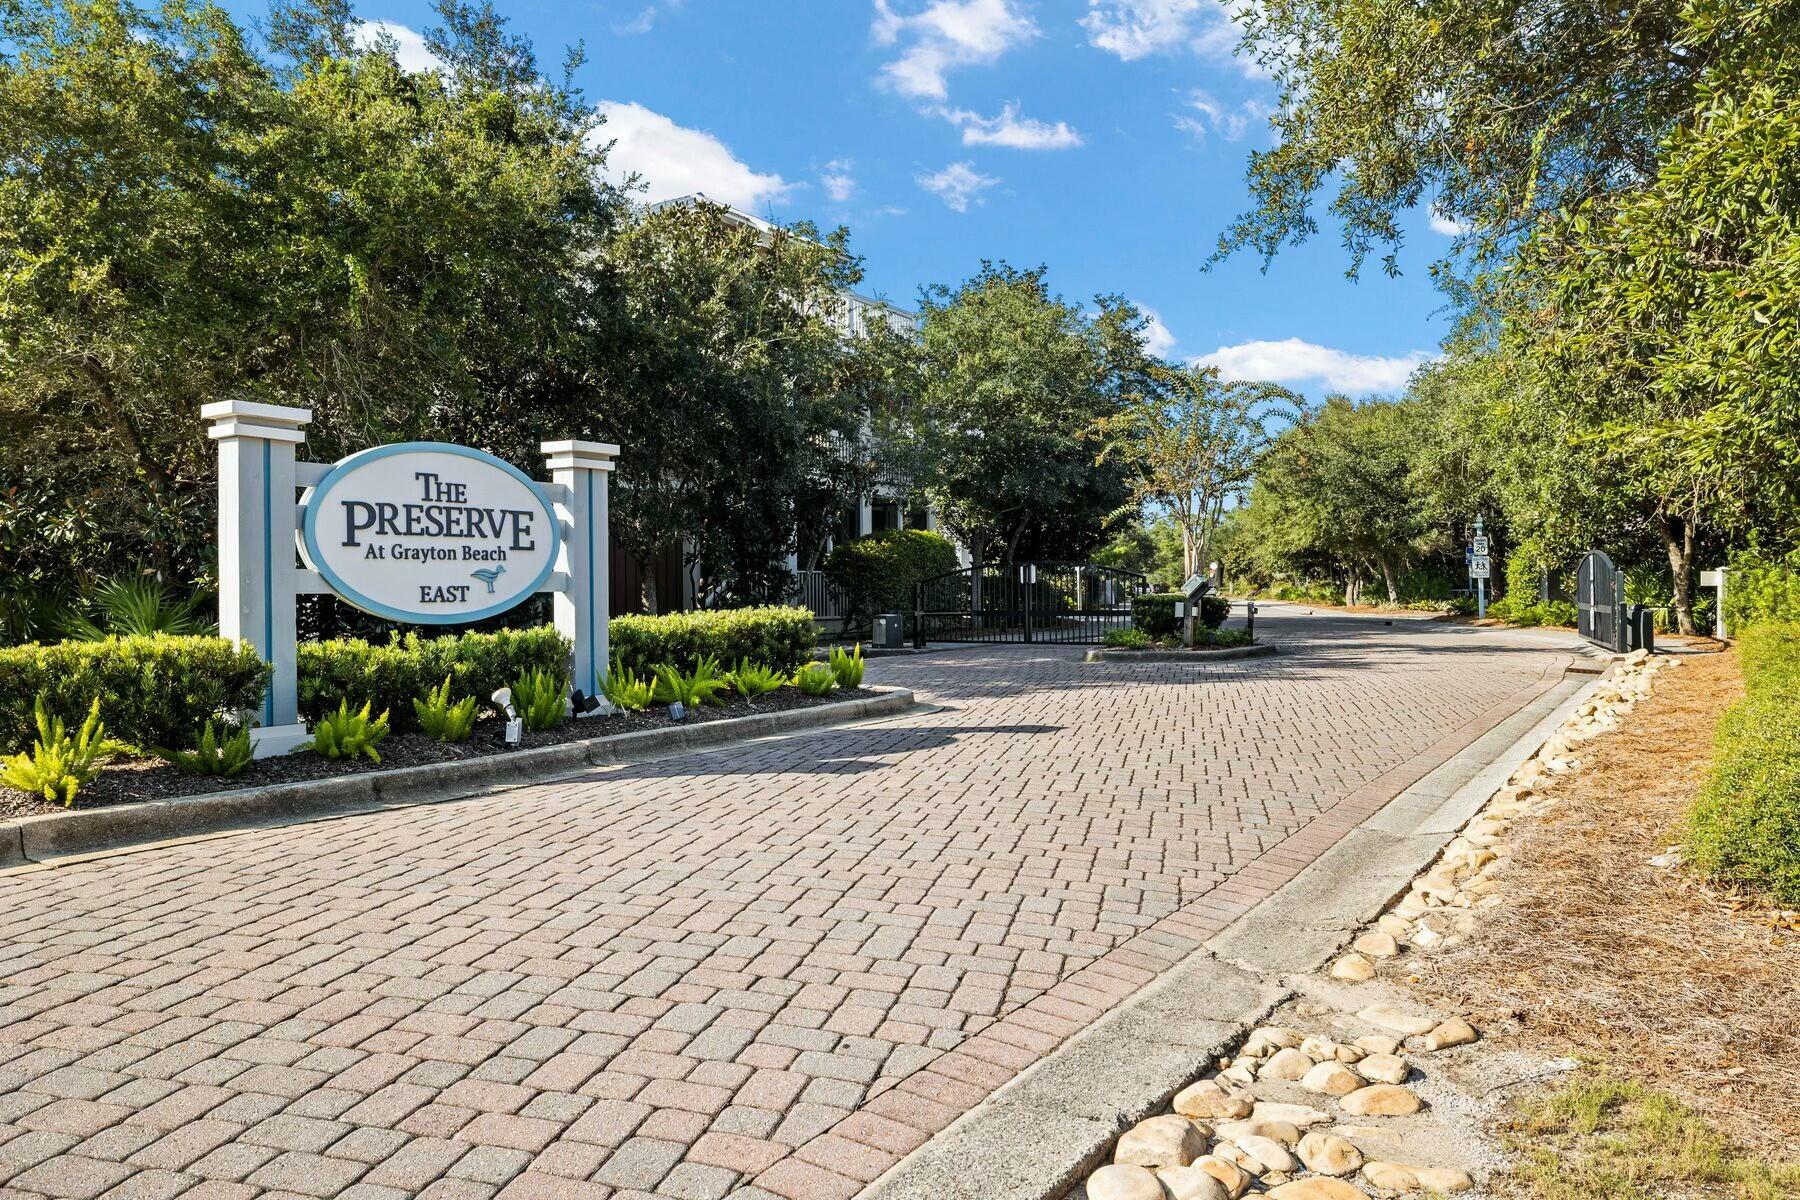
(487, 575)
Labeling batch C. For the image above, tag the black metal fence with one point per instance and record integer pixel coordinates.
(1053, 602)
(1602, 614)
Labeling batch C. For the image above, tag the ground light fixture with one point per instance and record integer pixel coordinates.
(514, 734)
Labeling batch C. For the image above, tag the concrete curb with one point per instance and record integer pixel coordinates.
(30, 840)
(1043, 1131)
(1195, 658)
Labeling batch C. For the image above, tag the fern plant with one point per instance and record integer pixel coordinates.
(443, 720)
(626, 688)
(847, 667)
(751, 680)
(699, 686)
(58, 766)
(542, 699)
(815, 679)
(346, 734)
(222, 757)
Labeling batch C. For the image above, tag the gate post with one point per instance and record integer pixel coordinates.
(581, 611)
(918, 616)
(1027, 593)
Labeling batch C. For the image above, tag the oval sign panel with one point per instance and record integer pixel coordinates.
(428, 532)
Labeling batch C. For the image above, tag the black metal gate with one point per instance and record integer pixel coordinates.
(1600, 601)
(1056, 602)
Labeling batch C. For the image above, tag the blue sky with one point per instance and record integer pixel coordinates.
(1105, 139)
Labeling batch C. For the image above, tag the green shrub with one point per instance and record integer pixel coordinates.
(751, 680)
(690, 689)
(443, 719)
(782, 637)
(392, 675)
(1214, 610)
(139, 606)
(224, 758)
(815, 679)
(156, 690)
(1744, 827)
(1154, 613)
(1223, 638)
(1462, 605)
(1761, 589)
(541, 698)
(349, 735)
(876, 574)
(1126, 639)
(626, 688)
(58, 766)
(847, 665)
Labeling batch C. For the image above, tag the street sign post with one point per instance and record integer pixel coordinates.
(1480, 567)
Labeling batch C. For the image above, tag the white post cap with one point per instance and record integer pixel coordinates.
(249, 419)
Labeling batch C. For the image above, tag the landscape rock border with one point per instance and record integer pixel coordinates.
(47, 837)
(1195, 657)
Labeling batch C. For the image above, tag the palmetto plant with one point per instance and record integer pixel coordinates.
(751, 680)
(58, 766)
(225, 757)
(136, 606)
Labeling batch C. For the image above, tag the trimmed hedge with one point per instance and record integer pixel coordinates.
(877, 573)
(393, 674)
(1744, 827)
(781, 636)
(153, 691)
(1155, 613)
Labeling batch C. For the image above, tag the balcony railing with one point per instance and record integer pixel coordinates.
(812, 590)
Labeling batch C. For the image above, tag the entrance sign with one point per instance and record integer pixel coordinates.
(429, 533)
(422, 532)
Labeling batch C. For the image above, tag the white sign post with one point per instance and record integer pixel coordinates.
(1480, 568)
(419, 532)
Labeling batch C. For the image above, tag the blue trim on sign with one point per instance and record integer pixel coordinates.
(268, 580)
(345, 467)
(593, 642)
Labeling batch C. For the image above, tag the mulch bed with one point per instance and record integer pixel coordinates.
(1598, 954)
(129, 780)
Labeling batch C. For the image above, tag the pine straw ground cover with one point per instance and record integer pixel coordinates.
(1645, 971)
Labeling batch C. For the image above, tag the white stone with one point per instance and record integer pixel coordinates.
(1285, 1132)
(1124, 1183)
(1165, 1141)
(1383, 1068)
(1332, 1079)
(1329, 1154)
(1193, 1183)
(1235, 1178)
(1381, 1100)
(1376, 1043)
(1398, 1020)
(1377, 944)
(1320, 1188)
(1396, 927)
(1446, 1180)
(1270, 1153)
(1302, 1115)
(1390, 1178)
(1287, 1064)
(1207, 1100)
(1353, 968)
(1267, 1039)
(1454, 1032)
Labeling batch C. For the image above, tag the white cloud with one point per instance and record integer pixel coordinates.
(1134, 29)
(944, 35)
(647, 16)
(1294, 361)
(1011, 130)
(959, 185)
(409, 46)
(837, 180)
(1448, 226)
(674, 160)
(1158, 339)
(1211, 115)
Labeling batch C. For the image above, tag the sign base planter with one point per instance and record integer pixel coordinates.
(52, 836)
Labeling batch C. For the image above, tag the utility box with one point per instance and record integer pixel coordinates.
(887, 631)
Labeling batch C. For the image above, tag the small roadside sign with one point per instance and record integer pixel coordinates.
(1481, 566)
(1481, 546)
(1195, 583)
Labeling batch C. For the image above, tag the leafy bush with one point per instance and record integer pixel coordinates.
(541, 698)
(815, 679)
(1214, 610)
(783, 637)
(1221, 639)
(847, 666)
(751, 680)
(393, 675)
(443, 720)
(1126, 639)
(223, 758)
(1761, 589)
(139, 606)
(1744, 827)
(58, 766)
(349, 735)
(702, 685)
(877, 573)
(157, 690)
(1154, 613)
(626, 688)
(1462, 605)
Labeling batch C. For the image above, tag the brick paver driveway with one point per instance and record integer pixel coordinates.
(767, 970)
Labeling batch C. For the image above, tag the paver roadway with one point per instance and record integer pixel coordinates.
(765, 970)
